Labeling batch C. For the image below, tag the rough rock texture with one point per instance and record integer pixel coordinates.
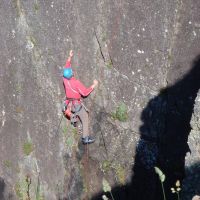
(191, 184)
(144, 54)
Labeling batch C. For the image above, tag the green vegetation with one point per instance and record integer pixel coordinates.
(18, 191)
(18, 88)
(37, 55)
(107, 188)
(27, 148)
(162, 179)
(120, 173)
(70, 134)
(106, 185)
(104, 197)
(69, 129)
(74, 131)
(17, 169)
(7, 163)
(38, 192)
(64, 130)
(109, 64)
(103, 38)
(21, 188)
(18, 7)
(121, 113)
(177, 189)
(70, 141)
(106, 166)
(36, 6)
(32, 40)
(169, 57)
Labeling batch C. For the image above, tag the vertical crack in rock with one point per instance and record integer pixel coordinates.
(173, 36)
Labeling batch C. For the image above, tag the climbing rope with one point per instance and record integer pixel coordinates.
(58, 127)
(87, 169)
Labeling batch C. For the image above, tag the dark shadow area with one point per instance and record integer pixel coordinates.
(191, 184)
(2, 188)
(163, 141)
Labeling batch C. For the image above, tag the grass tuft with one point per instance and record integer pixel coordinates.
(27, 148)
(121, 113)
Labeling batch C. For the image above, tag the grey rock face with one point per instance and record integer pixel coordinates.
(193, 139)
(141, 52)
(191, 183)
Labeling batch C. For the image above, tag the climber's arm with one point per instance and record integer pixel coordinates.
(68, 62)
(86, 91)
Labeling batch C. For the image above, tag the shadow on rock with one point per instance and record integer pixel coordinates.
(2, 188)
(163, 141)
(191, 184)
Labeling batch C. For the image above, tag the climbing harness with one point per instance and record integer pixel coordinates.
(70, 111)
(71, 107)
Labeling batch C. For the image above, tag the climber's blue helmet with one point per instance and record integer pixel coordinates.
(67, 73)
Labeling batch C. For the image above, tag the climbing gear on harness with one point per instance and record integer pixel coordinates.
(71, 108)
(87, 140)
(76, 107)
(68, 113)
(73, 119)
(66, 110)
(67, 73)
(64, 107)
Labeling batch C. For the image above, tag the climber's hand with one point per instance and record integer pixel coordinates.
(95, 83)
(71, 53)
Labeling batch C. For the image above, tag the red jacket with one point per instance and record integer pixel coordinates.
(74, 89)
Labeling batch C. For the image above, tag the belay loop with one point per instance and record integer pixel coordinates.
(70, 108)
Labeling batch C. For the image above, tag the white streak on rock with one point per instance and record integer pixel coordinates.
(194, 33)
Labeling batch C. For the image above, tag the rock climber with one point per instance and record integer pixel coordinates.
(74, 90)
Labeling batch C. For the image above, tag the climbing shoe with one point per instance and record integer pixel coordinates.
(87, 140)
